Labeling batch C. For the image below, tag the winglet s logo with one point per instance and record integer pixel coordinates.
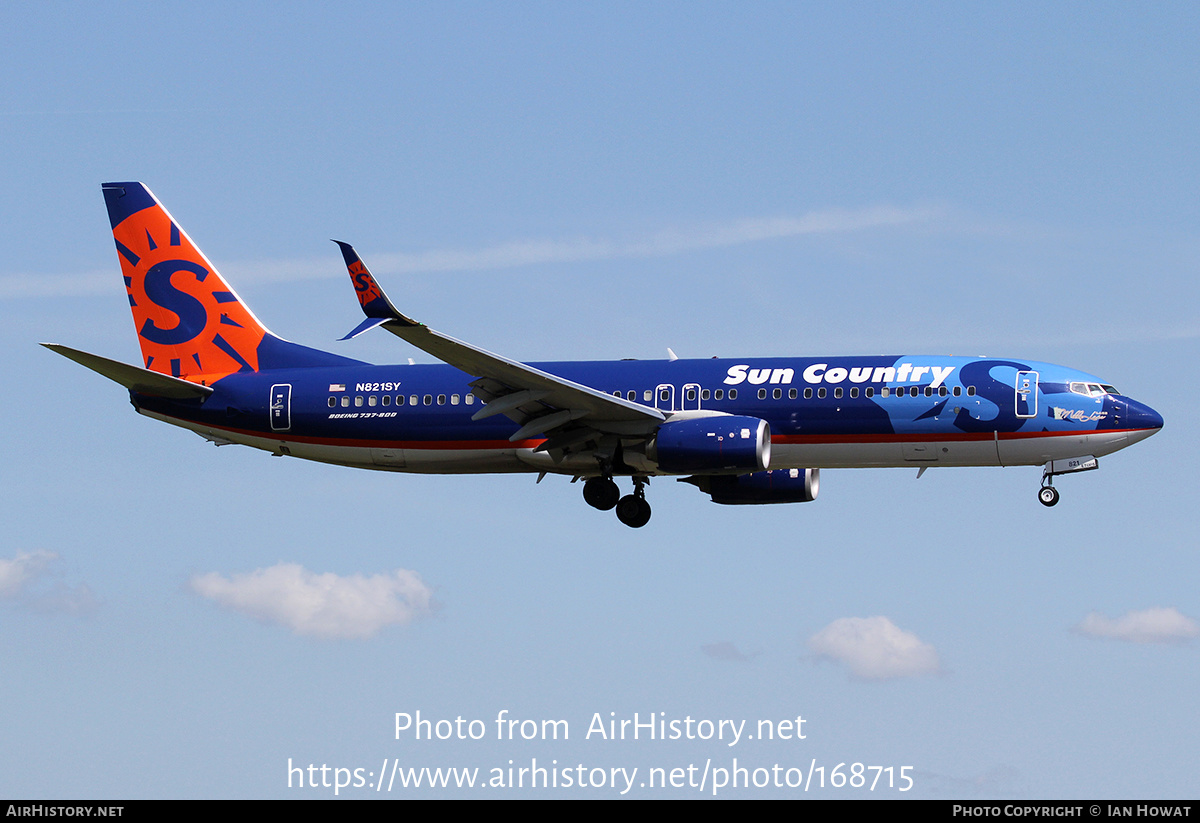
(364, 285)
(191, 312)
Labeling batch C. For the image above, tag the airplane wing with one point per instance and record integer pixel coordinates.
(134, 378)
(568, 413)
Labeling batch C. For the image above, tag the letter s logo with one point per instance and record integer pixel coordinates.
(191, 312)
(362, 281)
(737, 374)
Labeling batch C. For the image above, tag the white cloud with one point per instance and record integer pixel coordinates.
(659, 244)
(30, 578)
(320, 605)
(508, 255)
(1161, 625)
(59, 285)
(15, 574)
(874, 648)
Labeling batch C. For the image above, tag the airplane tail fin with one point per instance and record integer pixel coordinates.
(190, 323)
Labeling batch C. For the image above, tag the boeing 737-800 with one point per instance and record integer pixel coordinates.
(746, 430)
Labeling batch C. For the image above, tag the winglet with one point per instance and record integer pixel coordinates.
(374, 302)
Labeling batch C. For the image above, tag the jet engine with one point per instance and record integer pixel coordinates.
(776, 486)
(710, 445)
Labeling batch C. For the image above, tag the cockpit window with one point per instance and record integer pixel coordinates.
(1092, 389)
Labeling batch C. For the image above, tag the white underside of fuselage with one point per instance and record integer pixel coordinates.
(987, 450)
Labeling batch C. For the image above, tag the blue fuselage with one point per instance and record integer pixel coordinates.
(822, 412)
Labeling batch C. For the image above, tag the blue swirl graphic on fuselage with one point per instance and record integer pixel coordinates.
(979, 374)
(192, 315)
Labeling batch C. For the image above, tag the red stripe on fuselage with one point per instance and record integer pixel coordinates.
(809, 439)
(779, 439)
(440, 445)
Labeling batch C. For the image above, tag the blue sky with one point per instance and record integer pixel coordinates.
(573, 181)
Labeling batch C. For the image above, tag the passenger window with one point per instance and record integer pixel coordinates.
(454, 400)
(733, 394)
(427, 400)
(870, 392)
(719, 393)
(762, 394)
(470, 400)
(821, 393)
(885, 391)
(631, 396)
(412, 399)
(332, 402)
(691, 394)
(647, 395)
(792, 394)
(372, 400)
(387, 400)
(441, 399)
(929, 391)
(358, 400)
(958, 391)
(704, 394)
(399, 400)
(941, 391)
(854, 391)
(838, 392)
(808, 393)
(970, 391)
(345, 402)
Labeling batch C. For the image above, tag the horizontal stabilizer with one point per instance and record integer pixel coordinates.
(134, 378)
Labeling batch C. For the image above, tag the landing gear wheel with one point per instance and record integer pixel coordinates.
(633, 511)
(601, 493)
(1048, 495)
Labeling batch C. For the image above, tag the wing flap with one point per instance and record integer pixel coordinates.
(556, 392)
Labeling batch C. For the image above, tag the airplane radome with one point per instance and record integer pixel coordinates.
(744, 431)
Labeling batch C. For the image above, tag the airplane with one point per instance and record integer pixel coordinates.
(747, 430)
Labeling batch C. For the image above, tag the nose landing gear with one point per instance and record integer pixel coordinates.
(1048, 495)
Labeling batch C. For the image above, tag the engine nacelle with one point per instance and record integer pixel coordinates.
(778, 486)
(707, 445)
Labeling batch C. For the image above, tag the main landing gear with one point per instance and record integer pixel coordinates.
(602, 493)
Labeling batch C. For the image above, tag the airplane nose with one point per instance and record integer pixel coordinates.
(1140, 416)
